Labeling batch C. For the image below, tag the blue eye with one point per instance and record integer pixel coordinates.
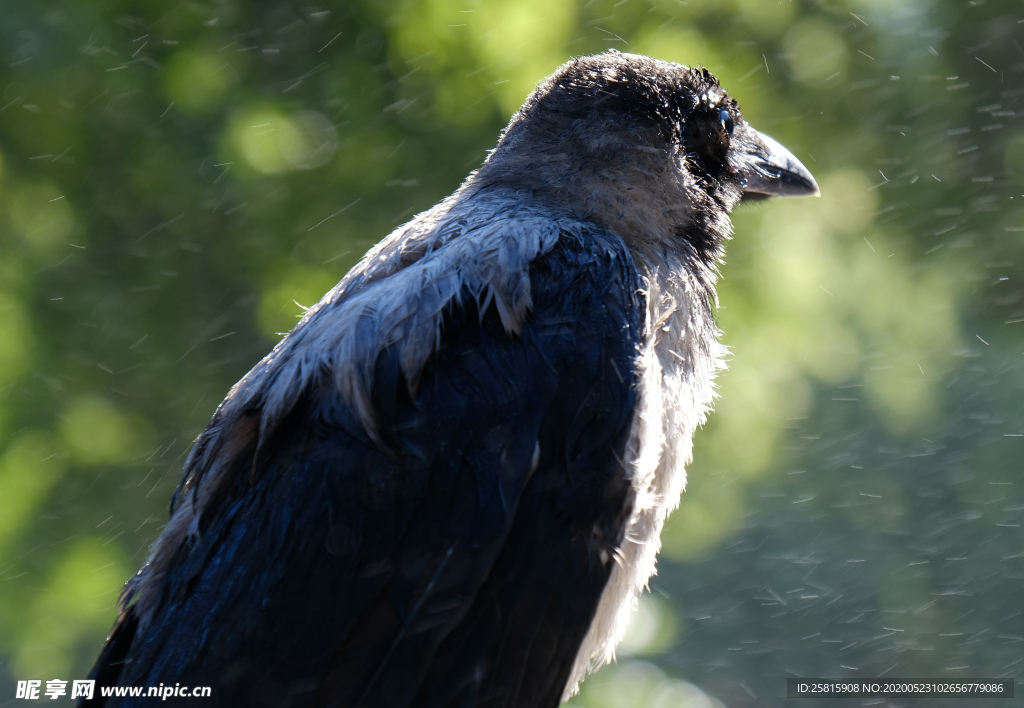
(727, 121)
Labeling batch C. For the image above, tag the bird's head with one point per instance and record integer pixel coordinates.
(652, 150)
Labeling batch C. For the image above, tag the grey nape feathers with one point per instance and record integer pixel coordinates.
(446, 485)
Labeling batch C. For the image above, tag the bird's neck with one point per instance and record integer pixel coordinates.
(648, 201)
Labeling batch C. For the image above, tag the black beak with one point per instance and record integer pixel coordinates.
(766, 169)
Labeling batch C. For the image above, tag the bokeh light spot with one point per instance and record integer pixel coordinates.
(197, 80)
(816, 53)
(29, 468)
(96, 432)
(78, 600)
(651, 628)
(271, 141)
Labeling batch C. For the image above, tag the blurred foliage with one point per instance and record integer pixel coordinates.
(178, 179)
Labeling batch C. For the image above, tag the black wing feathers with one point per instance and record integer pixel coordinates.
(441, 569)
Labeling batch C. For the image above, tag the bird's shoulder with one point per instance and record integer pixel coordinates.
(488, 248)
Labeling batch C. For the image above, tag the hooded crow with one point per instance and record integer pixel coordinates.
(445, 486)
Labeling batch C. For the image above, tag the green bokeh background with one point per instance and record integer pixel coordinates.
(178, 179)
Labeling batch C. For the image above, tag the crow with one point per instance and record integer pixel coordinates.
(446, 485)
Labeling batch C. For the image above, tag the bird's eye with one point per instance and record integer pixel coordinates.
(727, 121)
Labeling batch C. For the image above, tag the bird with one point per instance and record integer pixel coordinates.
(445, 486)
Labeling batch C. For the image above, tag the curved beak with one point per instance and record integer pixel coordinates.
(767, 169)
